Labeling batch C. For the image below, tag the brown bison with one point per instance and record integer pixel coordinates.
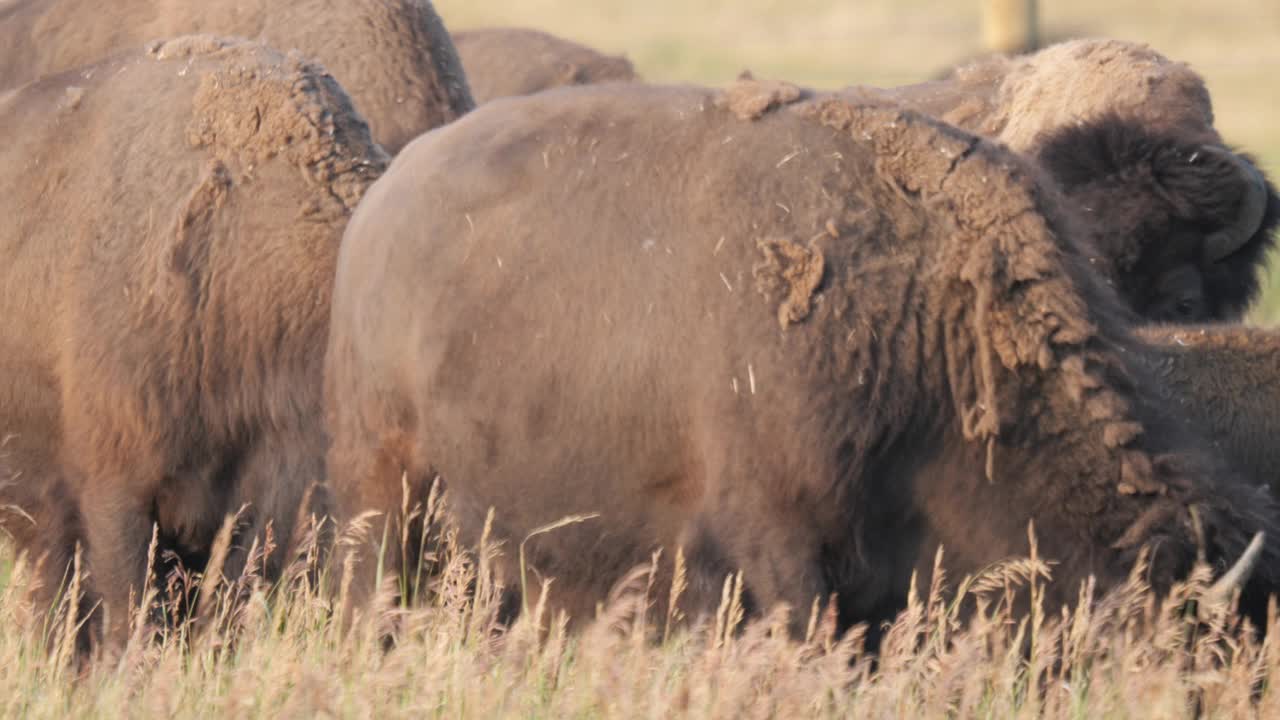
(1226, 380)
(172, 220)
(500, 62)
(394, 56)
(1181, 223)
(803, 337)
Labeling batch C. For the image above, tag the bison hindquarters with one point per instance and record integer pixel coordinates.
(166, 345)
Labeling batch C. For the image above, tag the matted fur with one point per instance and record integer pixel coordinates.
(1151, 199)
(172, 223)
(810, 345)
(394, 56)
(1120, 127)
(1226, 380)
(501, 62)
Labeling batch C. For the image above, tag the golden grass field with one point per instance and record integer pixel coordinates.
(273, 652)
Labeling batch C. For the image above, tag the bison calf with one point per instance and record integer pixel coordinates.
(1180, 222)
(808, 338)
(394, 56)
(500, 62)
(1225, 379)
(172, 219)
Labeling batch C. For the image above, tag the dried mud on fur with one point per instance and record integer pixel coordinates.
(279, 111)
(749, 98)
(793, 271)
(1001, 255)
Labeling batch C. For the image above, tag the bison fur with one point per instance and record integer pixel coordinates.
(1181, 223)
(501, 62)
(172, 222)
(801, 336)
(394, 56)
(1226, 380)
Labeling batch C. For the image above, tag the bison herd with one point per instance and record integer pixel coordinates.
(808, 335)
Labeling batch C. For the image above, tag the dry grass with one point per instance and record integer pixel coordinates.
(262, 651)
(1235, 44)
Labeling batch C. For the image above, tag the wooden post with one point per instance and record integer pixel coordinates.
(1009, 26)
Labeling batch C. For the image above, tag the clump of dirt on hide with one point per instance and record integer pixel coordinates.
(792, 270)
(749, 98)
(1012, 313)
(258, 104)
(191, 46)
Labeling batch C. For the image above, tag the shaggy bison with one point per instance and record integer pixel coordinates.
(1181, 223)
(166, 298)
(804, 337)
(394, 56)
(1226, 380)
(501, 62)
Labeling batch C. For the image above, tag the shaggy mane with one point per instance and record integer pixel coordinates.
(1179, 185)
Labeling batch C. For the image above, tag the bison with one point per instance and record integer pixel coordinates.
(1226, 380)
(1181, 223)
(394, 56)
(172, 223)
(500, 62)
(797, 335)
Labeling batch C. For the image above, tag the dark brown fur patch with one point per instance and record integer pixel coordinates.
(1226, 379)
(1148, 197)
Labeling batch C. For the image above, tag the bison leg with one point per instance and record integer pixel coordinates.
(367, 481)
(38, 512)
(279, 485)
(118, 525)
(778, 560)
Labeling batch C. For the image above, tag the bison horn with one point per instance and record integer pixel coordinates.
(1253, 206)
(1220, 592)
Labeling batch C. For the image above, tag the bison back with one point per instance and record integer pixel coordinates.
(395, 57)
(501, 62)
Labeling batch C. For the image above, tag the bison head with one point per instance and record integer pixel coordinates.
(1182, 226)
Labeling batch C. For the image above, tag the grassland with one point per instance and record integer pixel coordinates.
(264, 652)
(1234, 44)
(273, 652)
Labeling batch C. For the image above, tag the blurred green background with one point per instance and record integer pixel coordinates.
(1234, 44)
